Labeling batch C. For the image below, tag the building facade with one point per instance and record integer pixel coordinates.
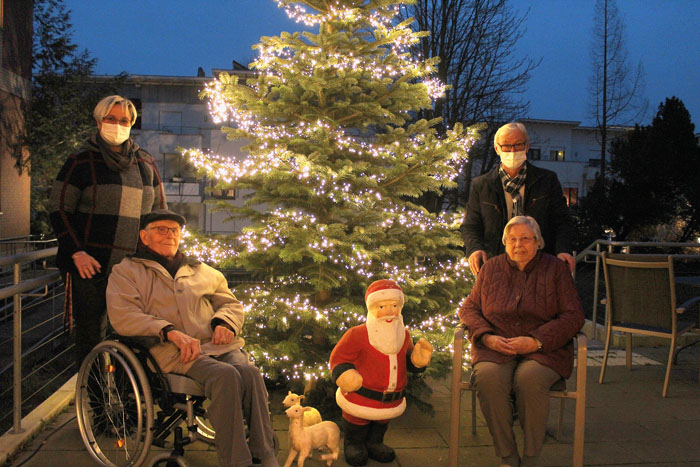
(15, 87)
(570, 150)
(172, 116)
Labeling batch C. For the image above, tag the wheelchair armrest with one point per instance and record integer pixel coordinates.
(138, 341)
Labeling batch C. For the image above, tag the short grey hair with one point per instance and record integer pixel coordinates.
(512, 126)
(528, 221)
(104, 107)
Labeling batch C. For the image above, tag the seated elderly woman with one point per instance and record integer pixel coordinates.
(521, 316)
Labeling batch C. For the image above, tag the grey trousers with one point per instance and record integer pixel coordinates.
(530, 382)
(237, 392)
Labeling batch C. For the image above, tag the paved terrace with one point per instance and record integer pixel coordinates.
(627, 423)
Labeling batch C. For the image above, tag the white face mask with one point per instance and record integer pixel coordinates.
(513, 160)
(114, 133)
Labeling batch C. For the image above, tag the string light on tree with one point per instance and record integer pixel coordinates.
(336, 163)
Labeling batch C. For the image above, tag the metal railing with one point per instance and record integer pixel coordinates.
(595, 249)
(17, 290)
(38, 337)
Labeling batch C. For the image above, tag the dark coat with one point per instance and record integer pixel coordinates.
(541, 302)
(487, 213)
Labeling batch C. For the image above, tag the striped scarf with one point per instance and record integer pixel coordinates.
(512, 186)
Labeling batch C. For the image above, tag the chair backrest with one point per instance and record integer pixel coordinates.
(640, 290)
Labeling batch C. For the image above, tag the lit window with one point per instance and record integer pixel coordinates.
(556, 155)
(571, 195)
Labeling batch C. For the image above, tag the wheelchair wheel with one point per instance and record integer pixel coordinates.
(114, 406)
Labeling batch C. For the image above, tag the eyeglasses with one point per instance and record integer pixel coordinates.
(523, 240)
(512, 147)
(163, 230)
(114, 120)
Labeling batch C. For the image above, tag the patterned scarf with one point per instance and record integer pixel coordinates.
(512, 186)
(117, 161)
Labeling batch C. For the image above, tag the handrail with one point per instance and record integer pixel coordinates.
(29, 285)
(16, 290)
(27, 239)
(28, 256)
(594, 249)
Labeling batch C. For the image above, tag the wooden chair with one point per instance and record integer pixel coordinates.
(641, 299)
(558, 390)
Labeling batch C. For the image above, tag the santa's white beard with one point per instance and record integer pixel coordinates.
(387, 337)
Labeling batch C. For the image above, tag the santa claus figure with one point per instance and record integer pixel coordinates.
(369, 365)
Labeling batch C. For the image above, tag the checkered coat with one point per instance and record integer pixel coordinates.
(98, 210)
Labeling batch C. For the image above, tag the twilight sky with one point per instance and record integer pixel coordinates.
(174, 37)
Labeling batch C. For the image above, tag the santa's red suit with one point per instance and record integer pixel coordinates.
(383, 376)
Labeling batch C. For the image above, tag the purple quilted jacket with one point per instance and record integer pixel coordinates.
(540, 301)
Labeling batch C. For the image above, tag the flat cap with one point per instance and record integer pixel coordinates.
(159, 215)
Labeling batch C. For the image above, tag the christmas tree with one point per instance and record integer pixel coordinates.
(336, 161)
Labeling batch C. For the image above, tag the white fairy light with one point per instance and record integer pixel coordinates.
(366, 172)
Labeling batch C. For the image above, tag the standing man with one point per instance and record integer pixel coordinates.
(515, 188)
(160, 292)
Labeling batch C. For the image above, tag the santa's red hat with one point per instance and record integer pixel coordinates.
(383, 289)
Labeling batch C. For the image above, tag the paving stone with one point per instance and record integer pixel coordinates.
(628, 423)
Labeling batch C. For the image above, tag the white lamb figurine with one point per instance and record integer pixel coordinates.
(311, 417)
(304, 439)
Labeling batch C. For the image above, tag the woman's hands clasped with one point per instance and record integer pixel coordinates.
(510, 345)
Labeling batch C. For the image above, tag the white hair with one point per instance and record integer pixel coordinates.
(528, 221)
(512, 126)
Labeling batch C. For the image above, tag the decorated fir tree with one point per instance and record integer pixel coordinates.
(336, 161)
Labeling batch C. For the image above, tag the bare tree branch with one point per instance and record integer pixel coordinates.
(615, 90)
(475, 40)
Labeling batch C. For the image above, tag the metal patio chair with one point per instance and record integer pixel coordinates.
(558, 390)
(641, 299)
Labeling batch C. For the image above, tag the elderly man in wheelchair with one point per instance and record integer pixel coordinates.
(194, 322)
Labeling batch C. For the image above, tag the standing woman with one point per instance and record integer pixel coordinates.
(96, 204)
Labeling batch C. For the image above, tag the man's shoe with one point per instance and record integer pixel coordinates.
(376, 449)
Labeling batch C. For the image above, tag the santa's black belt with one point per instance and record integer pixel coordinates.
(380, 396)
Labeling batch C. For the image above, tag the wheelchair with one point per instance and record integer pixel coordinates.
(118, 387)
